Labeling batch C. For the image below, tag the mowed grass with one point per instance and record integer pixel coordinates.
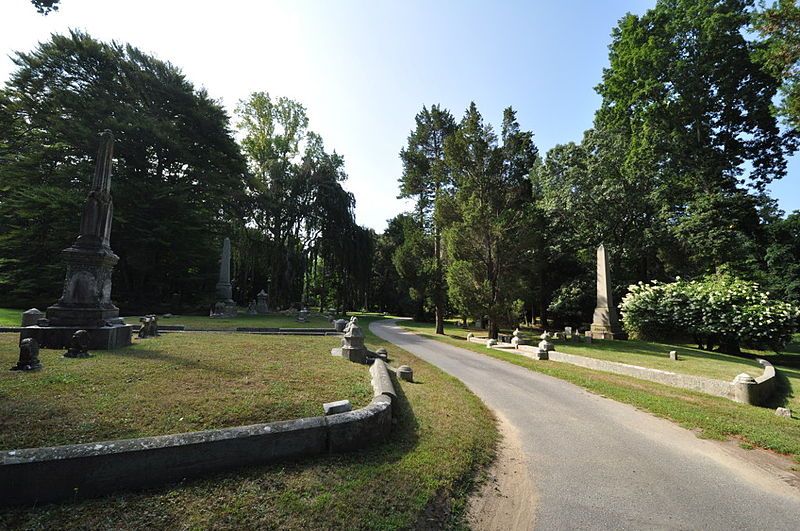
(442, 438)
(713, 417)
(171, 384)
(275, 320)
(10, 317)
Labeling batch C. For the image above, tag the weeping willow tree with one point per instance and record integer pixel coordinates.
(301, 236)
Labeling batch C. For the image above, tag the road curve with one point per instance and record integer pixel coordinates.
(600, 464)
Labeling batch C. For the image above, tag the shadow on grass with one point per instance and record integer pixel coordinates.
(183, 361)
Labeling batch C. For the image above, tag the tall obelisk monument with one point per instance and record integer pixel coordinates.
(605, 324)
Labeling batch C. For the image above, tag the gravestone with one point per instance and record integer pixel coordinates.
(673, 355)
(543, 352)
(85, 303)
(28, 356)
(31, 317)
(262, 302)
(405, 373)
(224, 307)
(605, 324)
(353, 343)
(340, 324)
(78, 345)
(251, 308)
(302, 316)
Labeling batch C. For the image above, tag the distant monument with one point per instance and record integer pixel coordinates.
(605, 324)
(225, 307)
(85, 303)
(262, 304)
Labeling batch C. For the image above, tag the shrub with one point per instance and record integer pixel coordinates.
(716, 310)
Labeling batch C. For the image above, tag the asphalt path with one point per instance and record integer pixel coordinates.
(599, 464)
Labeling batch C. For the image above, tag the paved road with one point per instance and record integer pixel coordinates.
(599, 464)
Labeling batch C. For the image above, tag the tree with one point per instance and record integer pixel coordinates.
(426, 177)
(178, 179)
(779, 27)
(45, 6)
(305, 218)
(492, 204)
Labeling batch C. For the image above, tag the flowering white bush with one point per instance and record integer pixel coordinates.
(716, 310)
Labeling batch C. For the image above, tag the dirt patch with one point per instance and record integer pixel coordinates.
(777, 465)
(507, 499)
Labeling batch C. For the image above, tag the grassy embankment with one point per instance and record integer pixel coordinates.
(714, 417)
(420, 478)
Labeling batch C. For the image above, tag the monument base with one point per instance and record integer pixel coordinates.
(606, 332)
(356, 355)
(225, 309)
(100, 338)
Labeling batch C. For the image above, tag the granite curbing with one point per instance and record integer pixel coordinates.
(47, 474)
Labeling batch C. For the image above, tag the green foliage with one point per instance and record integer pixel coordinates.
(490, 213)
(779, 27)
(426, 177)
(178, 175)
(300, 231)
(719, 309)
(45, 6)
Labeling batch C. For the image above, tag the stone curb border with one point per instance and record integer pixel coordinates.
(755, 392)
(47, 474)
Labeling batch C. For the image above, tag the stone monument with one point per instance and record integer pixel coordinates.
(28, 356)
(605, 324)
(85, 303)
(262, 302)
(353, 344)
(225, 307)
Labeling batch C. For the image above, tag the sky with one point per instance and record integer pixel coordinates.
(364, 68)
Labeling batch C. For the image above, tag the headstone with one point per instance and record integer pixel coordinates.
(490, 343)
(605, 324)
(545, 347)
(251, 308)
(302, 316)
(262, 302)
(588, 336)
(340, 406)
(567, 332)
(784, 412)
(148, 327)
(85, 303)
(353, 343)
(339, 324)
(31, 317)
(673, 355)
(225, 306)
(79, 345)
(404, 372)
(515, 342)
(28, 356)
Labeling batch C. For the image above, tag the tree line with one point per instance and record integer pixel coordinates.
(699, 113)
(181, 183)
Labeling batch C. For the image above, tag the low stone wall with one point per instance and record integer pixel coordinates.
(756, 392)
(38, 475)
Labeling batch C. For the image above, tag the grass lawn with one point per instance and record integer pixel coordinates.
(443, 436)
(276, 320)
(171, 384)
(714, 417)
(9, 317)
(13, 317)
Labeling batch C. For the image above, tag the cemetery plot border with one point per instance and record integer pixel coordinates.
(37, 475)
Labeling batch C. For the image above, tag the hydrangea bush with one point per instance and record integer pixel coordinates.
(718, 310)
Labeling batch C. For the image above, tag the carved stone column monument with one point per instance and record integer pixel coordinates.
(605, 324)
(225, 306)
(85, 302)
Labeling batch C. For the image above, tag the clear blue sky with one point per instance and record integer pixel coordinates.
(365, 68)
